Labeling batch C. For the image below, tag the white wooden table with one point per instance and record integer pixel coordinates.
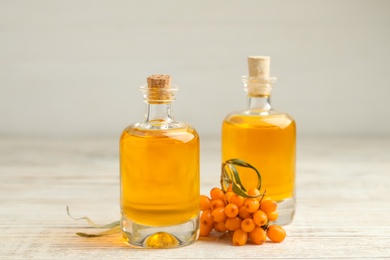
(343, 194)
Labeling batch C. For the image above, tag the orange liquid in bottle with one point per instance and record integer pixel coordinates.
(150, 160)
(266, 142)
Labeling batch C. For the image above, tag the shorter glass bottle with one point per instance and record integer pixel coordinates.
(159, 174)
(264, 138)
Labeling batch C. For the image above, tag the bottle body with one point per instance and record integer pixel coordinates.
(159, 176)
(267, 140)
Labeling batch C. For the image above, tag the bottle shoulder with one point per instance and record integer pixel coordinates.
(178, 130)
(260, 118)
(261, 113)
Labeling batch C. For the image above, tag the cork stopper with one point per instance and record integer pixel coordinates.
(259, 83)
(258, 66)
(159, 81)
(158, 90)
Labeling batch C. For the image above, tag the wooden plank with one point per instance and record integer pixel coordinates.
(342, 192)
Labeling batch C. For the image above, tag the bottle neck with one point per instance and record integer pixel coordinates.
(158, 113)
(259, 92)
(262, 102)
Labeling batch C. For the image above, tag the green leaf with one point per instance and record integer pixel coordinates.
(115, 229)
(91, 223)
(237, 190)
(236, 176)
(226, 178)
(231, 176)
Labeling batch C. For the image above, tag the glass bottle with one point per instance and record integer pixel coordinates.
(264, 138)
(159, 174)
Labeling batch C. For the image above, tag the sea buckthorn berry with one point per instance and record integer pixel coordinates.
(233, 223)
(220, 226)
(228, 196)
(254, 192)
(268, 205)
(258, 236)
(237, 199)
(240, 237)
(217, 193)
(219, 214)
(276, 233)
(266, 198)
(272, 216)
(204, 230)
(206, 218)
(243, 213)
(231, 210)
(248, 224)
(251, 205)
(260, 218)
(217, 204)
(230, 188)
(205, 202)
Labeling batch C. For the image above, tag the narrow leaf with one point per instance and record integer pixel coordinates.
(113, 230)
(91, 223)
(242, 163)
(237, 190)
(230, 175)
(236, 179)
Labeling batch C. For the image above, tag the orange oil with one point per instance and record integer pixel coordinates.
(266, 142)
(159, 175)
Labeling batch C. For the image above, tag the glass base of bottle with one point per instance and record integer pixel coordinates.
(286, 210)
(143, 236)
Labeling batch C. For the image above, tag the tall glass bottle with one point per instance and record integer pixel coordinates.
(265, 138)
(159, 174)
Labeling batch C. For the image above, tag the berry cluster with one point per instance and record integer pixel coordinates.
(241, 217)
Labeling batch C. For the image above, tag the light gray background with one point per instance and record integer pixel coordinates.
(73, 68)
